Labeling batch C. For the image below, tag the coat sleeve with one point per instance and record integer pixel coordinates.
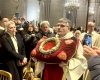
(94, 67)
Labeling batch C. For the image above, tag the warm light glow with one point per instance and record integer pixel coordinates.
(32, 10)
(91, 11)
(72, 4)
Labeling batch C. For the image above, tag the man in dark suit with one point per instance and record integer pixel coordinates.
(93, 55)
(14, 51)
(2, 31)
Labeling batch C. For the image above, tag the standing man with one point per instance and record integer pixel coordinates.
(2, 31)
(77, 64)
(67, 62)
(14, 51)
(95, 37)
(44, 30)
(3, 25)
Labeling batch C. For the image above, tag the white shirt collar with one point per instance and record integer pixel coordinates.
(1, 28)
(68, 35)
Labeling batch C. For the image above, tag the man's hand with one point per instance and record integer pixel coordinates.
(97, 50)
(89, 52)
(24, 61)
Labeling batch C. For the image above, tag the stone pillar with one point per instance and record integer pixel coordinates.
(45, 7)
(56, 11)
(10, 7)
(1, 7)
(97, 14)
(51, 10)
(82, 14)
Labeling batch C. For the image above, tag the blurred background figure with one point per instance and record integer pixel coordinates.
(92, 38)
(77, 34)
(44, 30)
(94, 35)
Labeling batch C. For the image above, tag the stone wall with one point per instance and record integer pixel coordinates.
(54, 11)
(57, 10)
(10, 7)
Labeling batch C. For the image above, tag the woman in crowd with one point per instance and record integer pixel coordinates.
(14, 51)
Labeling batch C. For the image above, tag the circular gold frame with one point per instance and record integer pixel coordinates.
(45, 52)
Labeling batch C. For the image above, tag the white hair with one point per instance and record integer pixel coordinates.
(44, 22)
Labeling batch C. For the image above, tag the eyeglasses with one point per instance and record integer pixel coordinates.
(5, 21)
(61, 25)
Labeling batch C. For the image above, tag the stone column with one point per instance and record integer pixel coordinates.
(56, 11)
(52, 10)
(10, 7)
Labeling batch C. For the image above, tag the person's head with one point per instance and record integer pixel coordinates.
(11, 28)
(4, 22)
(90, 26)
(22, 19)
(63, 26)
(14, 19)
(77, 33)
(44, 26)
(0, 21)
(30, 27)
(19, 22)
(36, 29)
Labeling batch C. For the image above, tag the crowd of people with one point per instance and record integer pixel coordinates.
(78, 51)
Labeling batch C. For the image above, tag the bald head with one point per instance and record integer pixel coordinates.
(90, 27)
(5, 19)
(91, 23)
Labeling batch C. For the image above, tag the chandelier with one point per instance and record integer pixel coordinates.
(72, 4)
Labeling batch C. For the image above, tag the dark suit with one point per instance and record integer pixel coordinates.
(11, 57)
(2, 65)
(94, 67)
